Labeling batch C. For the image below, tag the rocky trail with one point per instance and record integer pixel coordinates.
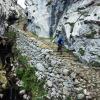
(65, 76)
(39, 72)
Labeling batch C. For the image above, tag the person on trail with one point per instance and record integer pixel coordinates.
(60, 43)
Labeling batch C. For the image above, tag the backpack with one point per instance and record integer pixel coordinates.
(60, 41)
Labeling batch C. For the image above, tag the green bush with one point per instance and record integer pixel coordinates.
(22, 60)
(11, 35)
(81, 51)
(30, 81)
(95, 64)
(91, 35)
(68, 98)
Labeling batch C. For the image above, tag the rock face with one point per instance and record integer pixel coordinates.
(8, 8)
(79, 21)
(44, 15)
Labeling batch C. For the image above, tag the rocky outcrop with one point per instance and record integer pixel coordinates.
(79, 21)
(44, 16)
(9, 12)
(82, 29)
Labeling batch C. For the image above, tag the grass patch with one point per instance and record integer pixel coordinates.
(68, 98)
(66, 50)
(22, 60)
(11, 35)
(34, 34)
(30, 81)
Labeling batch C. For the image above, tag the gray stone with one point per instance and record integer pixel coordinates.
(40, 67)
(65, 91)
(80, 96)
(86, 92)
(65, 71)
(49, 83)
(1, 96)
(79, 89)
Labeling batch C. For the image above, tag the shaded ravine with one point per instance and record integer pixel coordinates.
(9, 82)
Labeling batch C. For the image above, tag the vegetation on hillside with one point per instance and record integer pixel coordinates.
(26, 73)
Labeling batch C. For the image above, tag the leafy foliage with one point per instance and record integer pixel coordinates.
(91, 35)
(22, 60)
(68, 98)
(95, 64)
(81, 51)
(11, 35)
(30, 81)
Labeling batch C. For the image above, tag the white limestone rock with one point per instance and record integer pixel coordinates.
(80, 96)
(65, 91)
(49, 83)
(22, 92)
(65, 71)
(40, 67)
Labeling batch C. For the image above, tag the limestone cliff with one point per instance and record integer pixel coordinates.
(79, 21)
(8, 8)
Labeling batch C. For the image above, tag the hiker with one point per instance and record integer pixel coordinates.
(60, 43)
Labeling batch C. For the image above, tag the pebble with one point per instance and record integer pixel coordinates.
(80, 96)
(49, 83)
(40, 67)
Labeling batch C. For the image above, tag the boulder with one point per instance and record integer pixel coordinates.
(40, 67)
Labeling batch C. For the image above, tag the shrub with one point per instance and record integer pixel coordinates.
(95, 64)
(81, 51)
(22, 60)
(91, 35)
(30, 81)
(68, 98)
(11, 35)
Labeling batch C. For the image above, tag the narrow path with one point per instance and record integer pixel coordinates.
(88, 78)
